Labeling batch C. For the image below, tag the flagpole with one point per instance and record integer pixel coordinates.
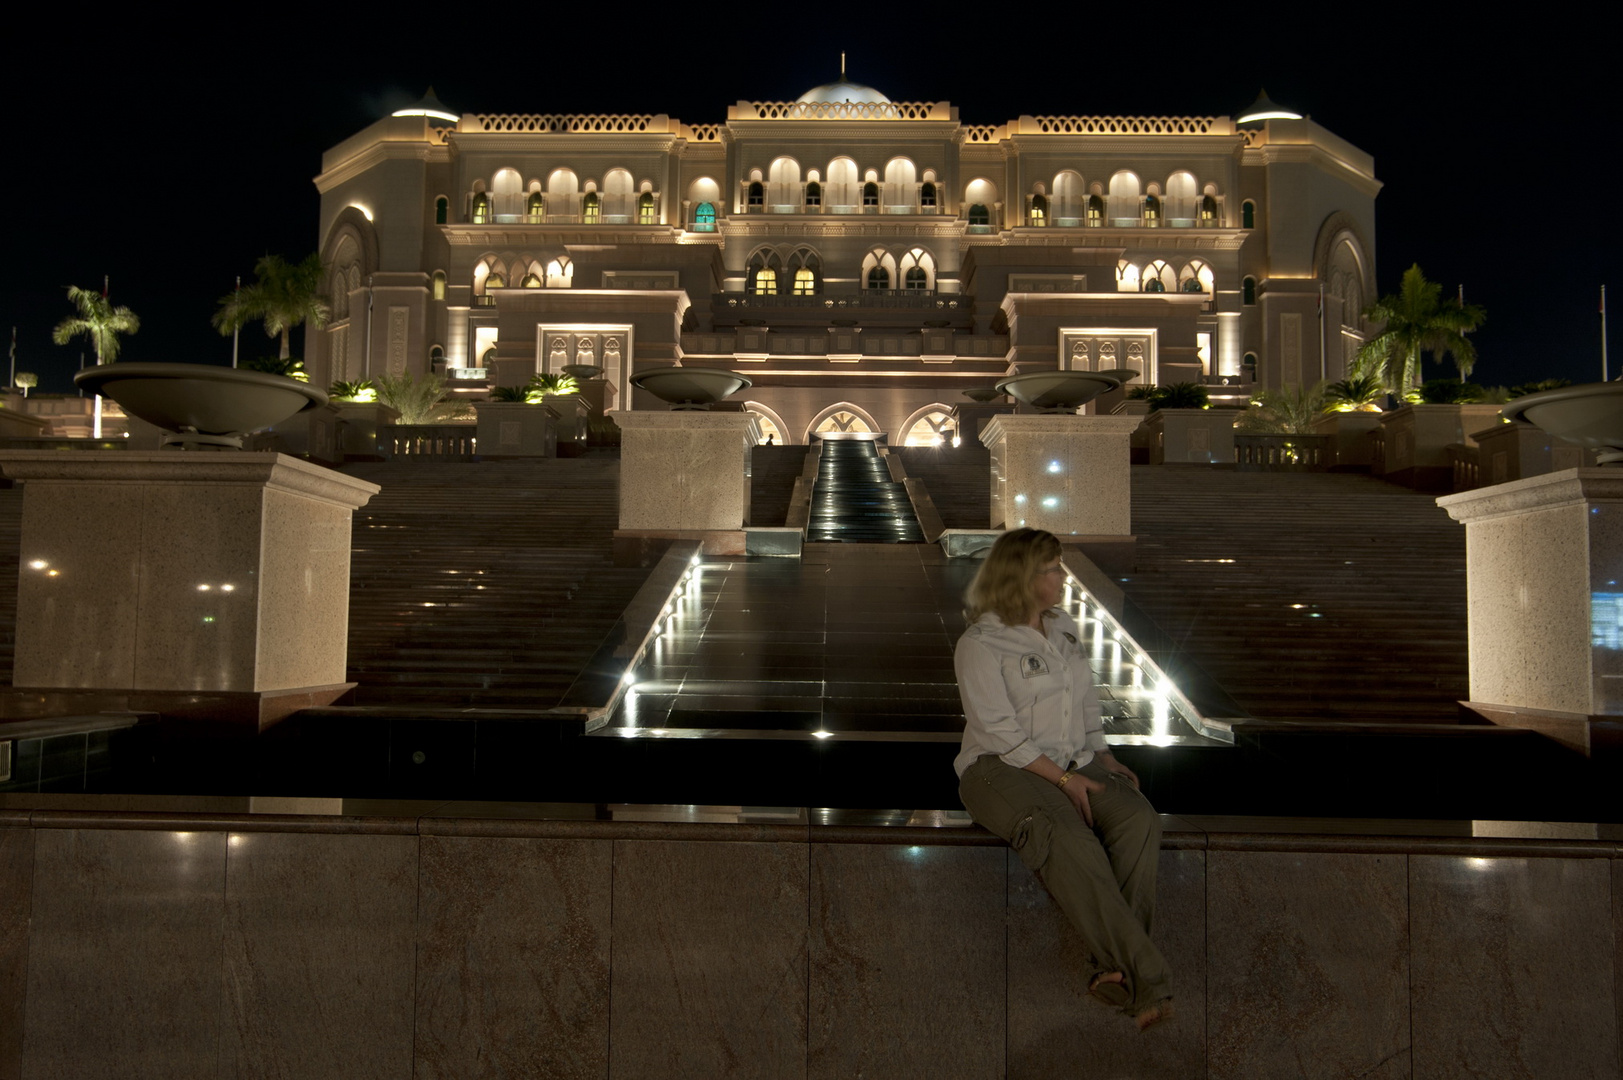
(1324, 372)
(1605, 372)
(236, 330)
(13, 381)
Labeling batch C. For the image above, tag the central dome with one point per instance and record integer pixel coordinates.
(843, 90)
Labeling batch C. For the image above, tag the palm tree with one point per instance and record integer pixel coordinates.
(102, 323)
(285, 295)
(1418, 321)
(98, 320)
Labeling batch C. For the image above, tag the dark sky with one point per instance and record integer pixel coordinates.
(172, 169)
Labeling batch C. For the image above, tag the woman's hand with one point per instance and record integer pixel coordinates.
(1077, 789)
(1108, 760)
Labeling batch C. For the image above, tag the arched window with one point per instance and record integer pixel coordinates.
(560, 273)
(978, 215)
(1208, 211)
(532, 280)
(1248, 215)
(645, 208)
(495, 281)
(592, 208)
(755, 197)
(1096, 211)
(806, 273)
(439, 284)
(1248, 366)
(1039, 210)
(878, 269)
(436, 357)
(1152, 211)
(1182, 200)
(442, 210)
(763, 273)
(481, 208)
(1196, 278)
(841, 191)
(618, 202)
(507, 195)
(934, 428)
(1126, 276)
(878, 277)
(927, 195)
(535, 209)
(1122, 206)
(918, 270)
(1248, 291)
(870, 194)
(704, 217)
(842, 420)
(814, 193)
(1158, 277)
(1067, 205)
(563, 195)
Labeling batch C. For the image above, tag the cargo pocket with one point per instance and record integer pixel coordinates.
(1031, 838)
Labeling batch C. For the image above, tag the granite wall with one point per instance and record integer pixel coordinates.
(153, 944)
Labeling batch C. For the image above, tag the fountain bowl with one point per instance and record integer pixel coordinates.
(200, 404)
(1058, 391)
(582, 372)
(690, 387)
(1590, 414)
(982, 394)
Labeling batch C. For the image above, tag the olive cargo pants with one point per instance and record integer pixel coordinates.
(1102, 878)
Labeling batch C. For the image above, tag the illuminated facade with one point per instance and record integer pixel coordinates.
(864, 261)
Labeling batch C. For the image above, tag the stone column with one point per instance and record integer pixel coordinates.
(1067, 474)
(686, 475)
(1544, 579)
(176, 573)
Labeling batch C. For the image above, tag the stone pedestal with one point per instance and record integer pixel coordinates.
(1191, 436)
(359, 431)
(1066, 474)
(192, 573)
(1351, 445)
(516, 429)
(1544, 566)
(1518, 450)
(1418, 438)
(686, 475)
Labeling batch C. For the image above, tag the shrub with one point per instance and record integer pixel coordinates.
(1537, 387)
(1449, 392)
(360, 390)
(418, 400)
(1359, 393)
(291, 368)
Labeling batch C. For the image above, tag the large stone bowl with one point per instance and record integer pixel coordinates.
(1058, 391)
(690, 387)
(200, 404)
(1590, 415)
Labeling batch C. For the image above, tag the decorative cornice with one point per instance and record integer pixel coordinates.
(749, 226)
(275, 472)
(1570, 487)
(374, 155)
(1308, 154)
(531, 142)
(514, 235)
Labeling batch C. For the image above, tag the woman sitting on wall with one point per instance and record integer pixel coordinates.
(1035, 769)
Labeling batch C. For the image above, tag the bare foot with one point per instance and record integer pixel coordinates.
(1155, 1014)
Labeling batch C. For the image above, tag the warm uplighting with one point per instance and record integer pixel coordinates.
(1265, 108)
(38, 564)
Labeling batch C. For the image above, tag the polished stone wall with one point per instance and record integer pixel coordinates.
(504, 941)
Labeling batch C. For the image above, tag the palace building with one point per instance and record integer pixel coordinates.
(863, 261)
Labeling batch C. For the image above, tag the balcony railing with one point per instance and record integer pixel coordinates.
(1282, 453)
(870, 298)
(430, 442)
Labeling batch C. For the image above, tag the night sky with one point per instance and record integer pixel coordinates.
(172, 170)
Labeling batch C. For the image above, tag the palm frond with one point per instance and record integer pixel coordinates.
(99, 321)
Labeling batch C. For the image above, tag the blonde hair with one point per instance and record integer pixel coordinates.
(1003, 585)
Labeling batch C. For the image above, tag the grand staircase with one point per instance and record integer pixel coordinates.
(486, 584)
(855, 500)
(1326, 595)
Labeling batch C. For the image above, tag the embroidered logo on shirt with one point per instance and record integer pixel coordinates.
(1033, 665)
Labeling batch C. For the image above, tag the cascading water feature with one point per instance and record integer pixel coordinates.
(855, 501)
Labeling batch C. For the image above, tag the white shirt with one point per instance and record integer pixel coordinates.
(1027, 694)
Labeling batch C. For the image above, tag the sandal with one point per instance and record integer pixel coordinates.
(1110, 987)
